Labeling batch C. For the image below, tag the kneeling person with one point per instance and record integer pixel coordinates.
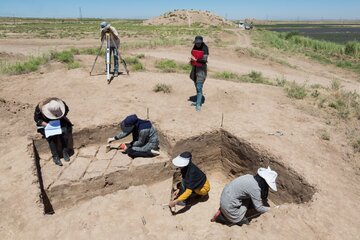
(193, 179)
(145, 139)
(236, 196)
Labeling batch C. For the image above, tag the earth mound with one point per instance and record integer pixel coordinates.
(188, 17)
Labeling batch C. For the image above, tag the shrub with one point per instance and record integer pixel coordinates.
(335, 85)
(356, 145)
(280, 82)
(226, 75)
(64, 56)
(137, 67)
(166, 65)
(162, 87)
(352, 48)
(324, 135)
(184, 67)
(296, 91)
(27, 66)
(73, 65)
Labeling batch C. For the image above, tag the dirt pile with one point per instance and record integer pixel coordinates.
(188, 17)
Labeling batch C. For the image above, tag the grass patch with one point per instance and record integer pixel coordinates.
(166, 65)
(252, 77)
(356, 145)
(30, 65)
(134, 64)
(73, 65)
(343, 55)
(324, 135)
(295, 90)
(64, 56)
(162, 87)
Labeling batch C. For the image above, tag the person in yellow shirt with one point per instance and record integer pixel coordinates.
(194, 180)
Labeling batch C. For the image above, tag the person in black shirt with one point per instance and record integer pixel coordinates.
(52, 109)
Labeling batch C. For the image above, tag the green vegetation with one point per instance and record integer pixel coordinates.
(67, 57)
(252, 77)
(134, 64)
(166, 65)
(162, 87)
(295, 90)
(324, 135)
(356, 145)
(73, 65)
(27, 66)
(346, 56)
(169, 65)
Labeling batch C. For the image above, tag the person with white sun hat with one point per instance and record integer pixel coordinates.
(52, 109)
(194, 181)
(238, 195)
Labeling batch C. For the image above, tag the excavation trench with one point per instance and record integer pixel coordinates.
(93, 172)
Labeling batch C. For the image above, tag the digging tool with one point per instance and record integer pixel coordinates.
(96, 57)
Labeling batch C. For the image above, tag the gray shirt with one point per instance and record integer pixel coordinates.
(234, 195)
(148, 139)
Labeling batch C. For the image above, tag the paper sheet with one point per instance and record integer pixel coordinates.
(53, 128)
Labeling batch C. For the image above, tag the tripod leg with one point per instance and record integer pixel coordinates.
(97, 57)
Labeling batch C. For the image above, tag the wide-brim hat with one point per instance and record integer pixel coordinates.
(54, 109)
(269, 176)
(182, 160)
(104, 25)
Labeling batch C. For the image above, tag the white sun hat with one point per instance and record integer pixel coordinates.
(269, 176)
(55, 109)
(180, 161)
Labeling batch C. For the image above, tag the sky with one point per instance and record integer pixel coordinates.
(229, 9)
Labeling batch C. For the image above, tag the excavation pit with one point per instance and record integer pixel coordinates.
(93, 172)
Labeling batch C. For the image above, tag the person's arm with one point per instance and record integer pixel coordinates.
(143, 135)
(38, 118)
(121, 135)
(258, 202)
(114, 32)
(182, 197)
(205, 57)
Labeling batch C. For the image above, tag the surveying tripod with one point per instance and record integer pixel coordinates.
(107, 57)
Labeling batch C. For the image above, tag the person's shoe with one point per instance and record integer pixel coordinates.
(57, 161)
(154, 152)
(116, 73)
(198, 108)
(66, 155)
(243, 221)
(193, 104)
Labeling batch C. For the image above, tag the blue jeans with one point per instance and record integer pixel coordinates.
(114, 50)
(199, 93)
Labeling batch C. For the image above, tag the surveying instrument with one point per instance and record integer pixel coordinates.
(108, 59)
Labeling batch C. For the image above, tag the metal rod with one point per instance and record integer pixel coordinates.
(222, 119)
(108, 57)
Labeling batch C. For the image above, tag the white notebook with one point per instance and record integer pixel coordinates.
(53, 128)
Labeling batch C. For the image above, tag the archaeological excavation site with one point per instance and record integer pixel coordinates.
(93, 171)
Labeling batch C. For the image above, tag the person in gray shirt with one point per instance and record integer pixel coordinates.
(237, 196)
(145, 139)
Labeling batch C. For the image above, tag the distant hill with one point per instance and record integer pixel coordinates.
(188, 17)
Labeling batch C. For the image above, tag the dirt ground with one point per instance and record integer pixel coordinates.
(251, 112)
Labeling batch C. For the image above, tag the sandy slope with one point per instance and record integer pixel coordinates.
(250, 112)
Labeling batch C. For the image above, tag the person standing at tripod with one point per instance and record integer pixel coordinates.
(114, 43)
